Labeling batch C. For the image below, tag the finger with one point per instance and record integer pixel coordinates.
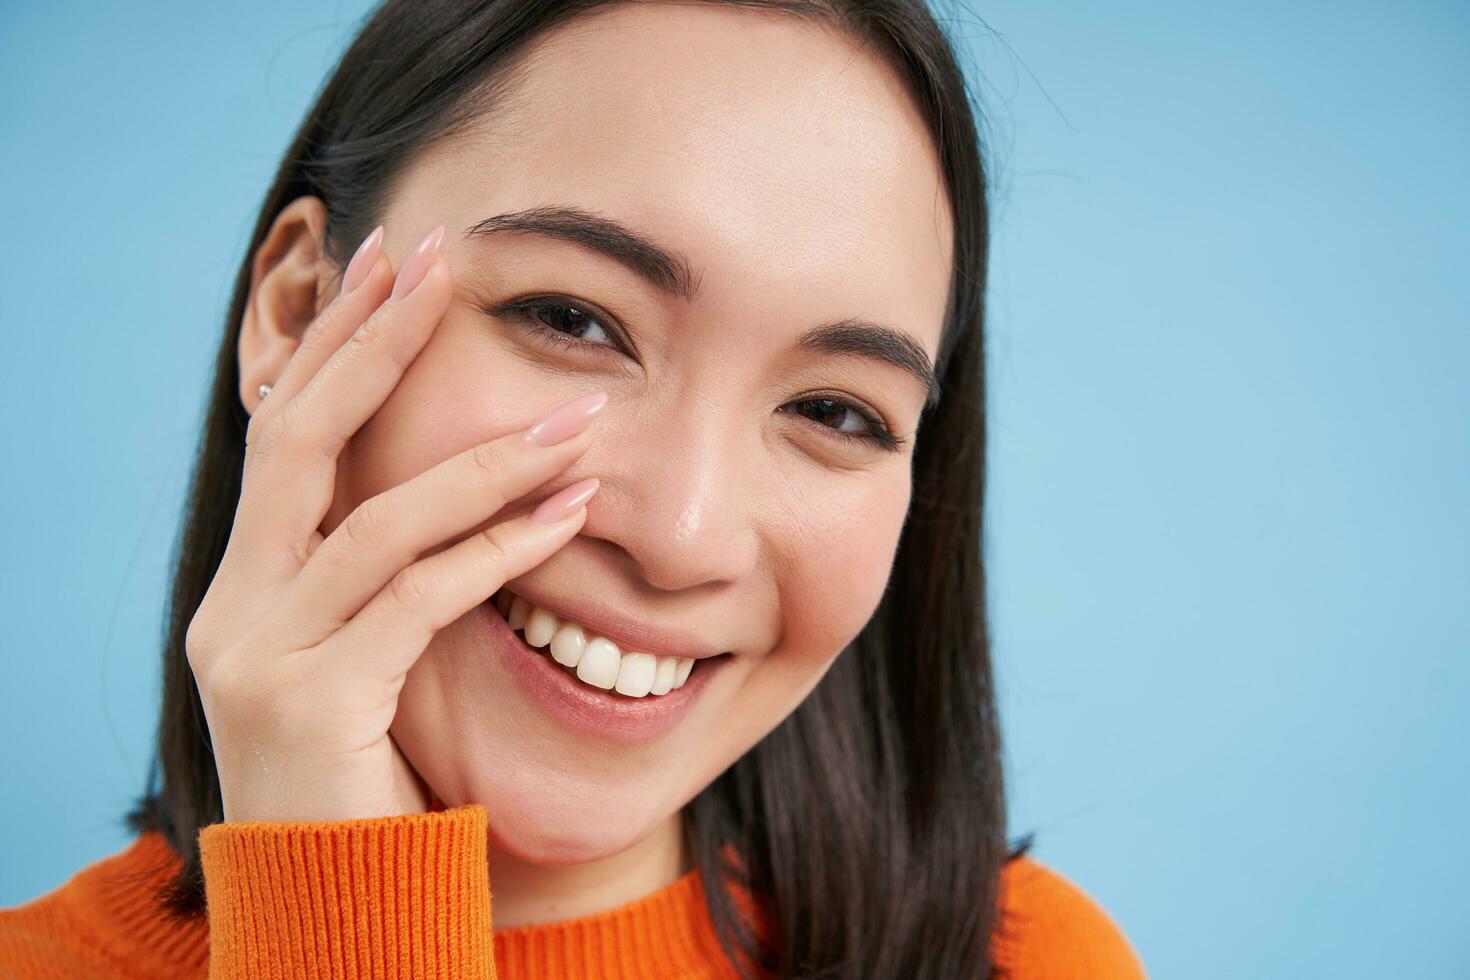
(331, 328)
(289, 484)
(389, 531)
(390, 633)
(272, 559)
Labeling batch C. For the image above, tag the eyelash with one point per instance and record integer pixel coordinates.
(527, 310)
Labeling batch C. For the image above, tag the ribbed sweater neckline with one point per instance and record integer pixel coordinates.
(667, 932)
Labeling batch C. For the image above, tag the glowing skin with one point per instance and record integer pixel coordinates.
(792, 171)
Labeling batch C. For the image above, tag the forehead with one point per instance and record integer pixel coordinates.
(787, 162)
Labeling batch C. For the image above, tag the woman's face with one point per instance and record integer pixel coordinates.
(792, 179)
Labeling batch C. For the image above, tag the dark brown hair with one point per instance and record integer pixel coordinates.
(871, 821)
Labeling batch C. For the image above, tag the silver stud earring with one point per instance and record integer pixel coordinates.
(264, 390)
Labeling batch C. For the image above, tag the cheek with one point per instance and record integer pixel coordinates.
(454, 395)
(839, 568)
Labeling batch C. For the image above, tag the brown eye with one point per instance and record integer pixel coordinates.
(564, 323)
(836, 415)
(571, 321)
(833, 414)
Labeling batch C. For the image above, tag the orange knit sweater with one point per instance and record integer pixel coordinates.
(410, 897)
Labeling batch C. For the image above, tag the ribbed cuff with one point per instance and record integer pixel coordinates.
(404, 896)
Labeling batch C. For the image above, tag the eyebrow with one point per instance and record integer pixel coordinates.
(669, 271)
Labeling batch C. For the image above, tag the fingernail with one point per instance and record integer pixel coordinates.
(417, 263)
(564, 502)
(566, 421)
(362, 260)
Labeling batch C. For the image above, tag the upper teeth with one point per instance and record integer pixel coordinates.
(597, 660)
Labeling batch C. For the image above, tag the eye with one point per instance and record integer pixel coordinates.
(565, 323)
(572, 324)
(827, 410)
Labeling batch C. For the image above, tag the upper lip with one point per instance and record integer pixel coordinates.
(629, 634)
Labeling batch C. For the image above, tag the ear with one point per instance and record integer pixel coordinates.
(290, 283)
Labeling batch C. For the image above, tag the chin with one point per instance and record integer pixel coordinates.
(571, 813)
(557, 819)
(573, 834)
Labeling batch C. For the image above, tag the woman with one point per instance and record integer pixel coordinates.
(587, 527)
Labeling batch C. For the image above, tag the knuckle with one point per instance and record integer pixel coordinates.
(366, 525)
(222, 681)
(408, 587)
(205, 638)
(370, 341)
(490, 457)
(366, 337)
(252, 428)
(263, 433)
(495, 545)
(320, 333)
(222, 684)
(301, 551)
(196, 646)
(235, 692)
(271, 433)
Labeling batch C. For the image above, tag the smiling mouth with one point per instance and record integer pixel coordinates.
(589, 657)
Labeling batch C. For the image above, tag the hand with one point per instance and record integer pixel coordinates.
(301, 644)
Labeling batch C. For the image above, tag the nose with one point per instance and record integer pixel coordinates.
(679, 498)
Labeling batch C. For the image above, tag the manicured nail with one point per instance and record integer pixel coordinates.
(362, 260)
(566, 421)
(417, 263)
(565, 502)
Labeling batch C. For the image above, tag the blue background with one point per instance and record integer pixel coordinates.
(1230, 349)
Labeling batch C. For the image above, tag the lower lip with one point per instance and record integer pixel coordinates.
(587, 709)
